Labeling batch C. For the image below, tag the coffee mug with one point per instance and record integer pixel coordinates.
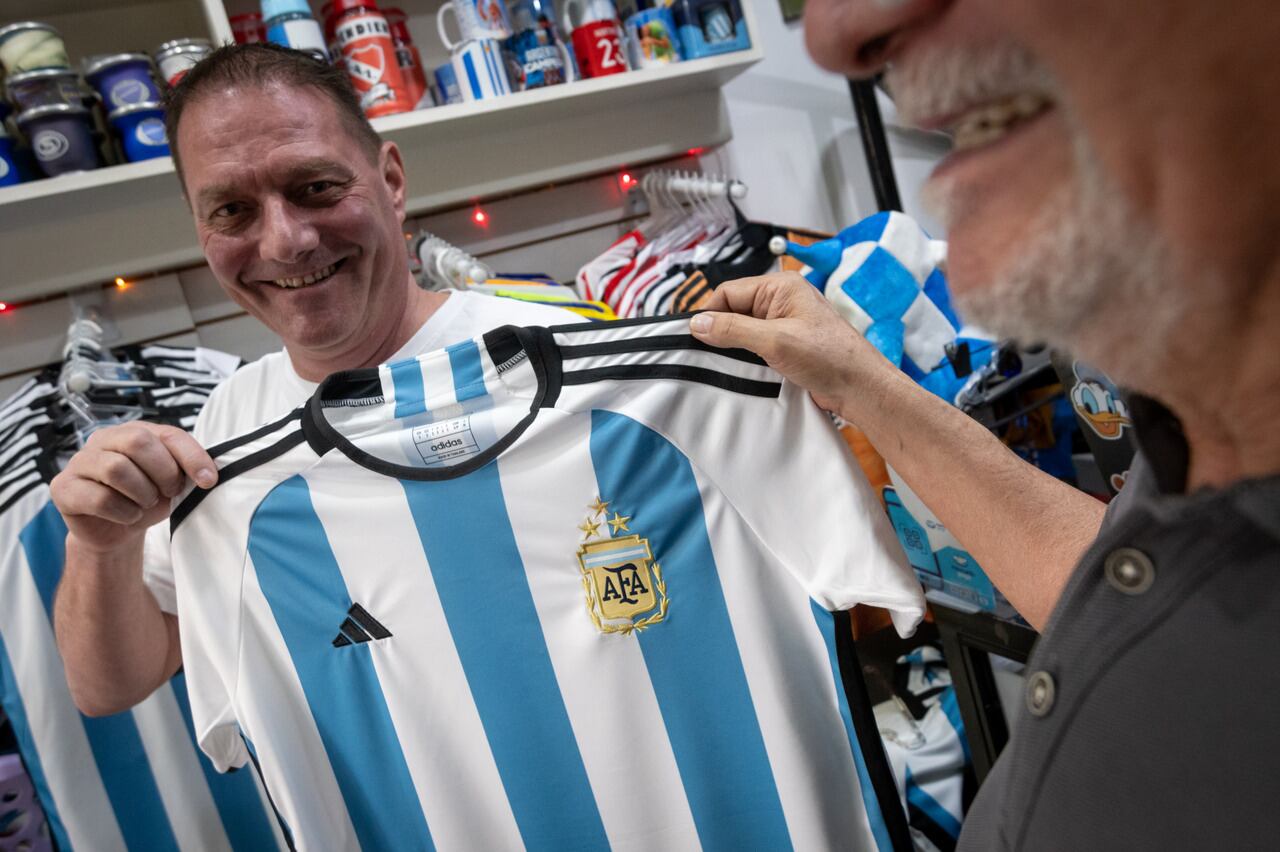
(535, 58)
(477, 20)
(479, 67)
(652, 39)
(598, 47)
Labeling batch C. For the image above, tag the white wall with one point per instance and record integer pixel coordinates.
(796, 143)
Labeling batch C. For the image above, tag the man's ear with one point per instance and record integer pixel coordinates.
(392, 168)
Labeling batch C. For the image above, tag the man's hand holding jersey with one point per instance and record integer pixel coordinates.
(123, 480)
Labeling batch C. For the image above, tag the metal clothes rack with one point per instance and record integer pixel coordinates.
(967, 638)
(444, 265)
(693, 185)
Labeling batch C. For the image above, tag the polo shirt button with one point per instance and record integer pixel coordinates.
(1129, 571)
(1040, 693)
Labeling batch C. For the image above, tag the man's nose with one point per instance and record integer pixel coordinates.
(285, 236)
(857, 38)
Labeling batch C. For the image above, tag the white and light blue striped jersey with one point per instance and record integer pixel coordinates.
(927, 748)
(568, 588)
(134, 780)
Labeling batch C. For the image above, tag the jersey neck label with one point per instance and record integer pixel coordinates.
(624, 586)
(447, 442)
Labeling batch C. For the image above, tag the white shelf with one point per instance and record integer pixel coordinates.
(66, 186)
(60, 233)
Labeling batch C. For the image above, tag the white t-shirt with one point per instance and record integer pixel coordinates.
(270, 388)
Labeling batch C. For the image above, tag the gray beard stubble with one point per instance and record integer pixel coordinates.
(1095, 279)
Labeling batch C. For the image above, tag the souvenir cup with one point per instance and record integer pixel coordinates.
(46, 86)
(536, 56)
(175, 58)
(248, 28)
(29, 45)
(8, 159)
(710, 27)
(652, 38)
(477, 20)
(122, 79)
(61, 138)
(141, 129)
(598, 46)
(447, 88)
(369, 56)
(408, 57)
(479, 68)
(536, 59)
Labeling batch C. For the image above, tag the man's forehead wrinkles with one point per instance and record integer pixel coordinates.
(243, 175)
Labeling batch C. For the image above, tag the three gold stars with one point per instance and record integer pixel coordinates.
(600, 514)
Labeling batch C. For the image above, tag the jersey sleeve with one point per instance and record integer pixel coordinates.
(157, 567)
(209, 641)
(157, 560)
(783, 466)
(208, 624)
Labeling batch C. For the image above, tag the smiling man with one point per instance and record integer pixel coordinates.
(1113, 190)
(299, 208)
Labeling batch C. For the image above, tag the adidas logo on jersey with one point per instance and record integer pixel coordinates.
(358, 627)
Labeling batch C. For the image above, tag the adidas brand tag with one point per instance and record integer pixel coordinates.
(446, 441)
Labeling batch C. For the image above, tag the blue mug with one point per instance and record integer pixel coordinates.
(710, 27)
(447, 85)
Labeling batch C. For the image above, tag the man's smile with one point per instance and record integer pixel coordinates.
(315, 276)
(985, 124)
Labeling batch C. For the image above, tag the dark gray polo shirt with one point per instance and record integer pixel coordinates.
(1151, 717)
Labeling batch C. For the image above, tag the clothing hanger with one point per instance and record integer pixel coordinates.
(89, 370)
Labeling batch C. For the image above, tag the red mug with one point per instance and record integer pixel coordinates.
(598, 46)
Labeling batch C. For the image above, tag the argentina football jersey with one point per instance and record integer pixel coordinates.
(129, 781)
(568, 588)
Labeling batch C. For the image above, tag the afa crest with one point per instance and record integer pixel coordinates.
(624, 585)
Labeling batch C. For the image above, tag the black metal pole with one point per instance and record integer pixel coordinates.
(875, 145)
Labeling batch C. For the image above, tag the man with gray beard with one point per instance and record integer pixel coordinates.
(1113, 190)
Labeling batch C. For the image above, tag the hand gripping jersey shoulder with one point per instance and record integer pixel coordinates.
(547, 588)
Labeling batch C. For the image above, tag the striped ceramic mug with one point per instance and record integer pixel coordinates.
(480, 69)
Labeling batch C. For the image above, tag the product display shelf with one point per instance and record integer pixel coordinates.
(60, 233)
